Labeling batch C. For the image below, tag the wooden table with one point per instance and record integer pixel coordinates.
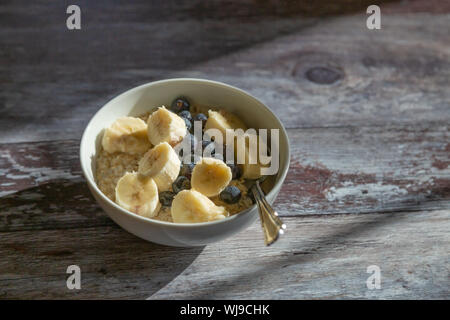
(367, 113)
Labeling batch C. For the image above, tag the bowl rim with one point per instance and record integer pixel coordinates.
(99, 193)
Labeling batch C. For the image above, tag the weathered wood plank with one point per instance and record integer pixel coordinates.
(339, 73)
(312, 72)
(368, 170)
(68, 75)
(41, 186)
(315, 71)
(333, 170)
(115, 264)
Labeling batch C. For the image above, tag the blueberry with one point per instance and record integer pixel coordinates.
(221, 152)
(230, 194)
(180, 104)
(181, 183)
(235, 170)
(189, 159)
(166, 198)
(185, 114)
(201, 117)
(188, 124)
(186, 169)
(206, 143)
(187, 117)
(193, 142)
(184, 143)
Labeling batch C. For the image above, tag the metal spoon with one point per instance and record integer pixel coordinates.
(270, 222)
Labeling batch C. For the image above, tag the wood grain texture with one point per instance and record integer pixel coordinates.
(368, 169)
(368, 114)
(338, 73)
(333, 170)
(312, 72)
(318, 257)
(42, 187)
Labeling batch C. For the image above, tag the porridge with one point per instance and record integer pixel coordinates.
(141, 166)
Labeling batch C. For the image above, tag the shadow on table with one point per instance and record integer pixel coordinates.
(317, 249)
(220, 10)
(57, 224)
(60, 203)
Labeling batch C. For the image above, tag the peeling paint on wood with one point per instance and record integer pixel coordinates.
(333, 170)
(368, 116)
(367, 169)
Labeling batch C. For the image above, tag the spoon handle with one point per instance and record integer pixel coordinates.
(270, 222)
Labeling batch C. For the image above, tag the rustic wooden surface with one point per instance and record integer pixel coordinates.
(367, 113)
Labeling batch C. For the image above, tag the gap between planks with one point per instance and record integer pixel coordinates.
(333, 171)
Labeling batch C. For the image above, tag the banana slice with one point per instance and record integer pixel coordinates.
(223, 120)
(210, 176)
(190, 206)
(126, 134)
(251, 165)
(138, 194)
(162, 164)
(251, 171)
(165, 126)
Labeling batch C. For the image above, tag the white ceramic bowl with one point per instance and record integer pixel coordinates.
(148, 96)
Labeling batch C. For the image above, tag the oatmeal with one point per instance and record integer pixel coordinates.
(145, 175)
(110, 167)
